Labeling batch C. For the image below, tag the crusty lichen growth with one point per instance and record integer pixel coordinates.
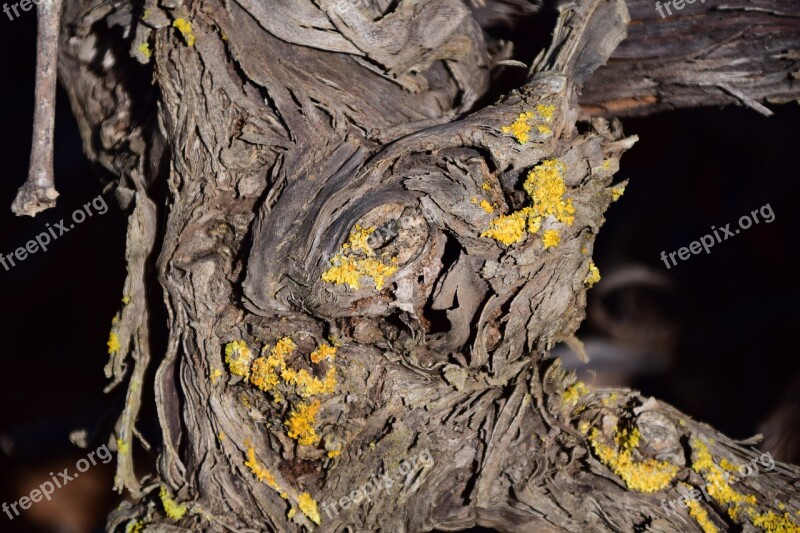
(520, 128)
(697, 512)
(593, 276)
(546, 111)
(185, 27)
(546, 189)
(700, 515)
(617, 192)
(551, 239)
(308, 506)
(301, 423)
(261, 473)
(265, 372)
(740, 506)
(113, 343)
(171, 507)
(357, 260)
(323, 351)
(134, 526)
(645, 476)
(574, 393)
(239, 357)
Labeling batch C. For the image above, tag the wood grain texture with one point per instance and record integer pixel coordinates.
(246, 161)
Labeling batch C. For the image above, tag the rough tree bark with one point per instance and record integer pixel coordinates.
(319, 171)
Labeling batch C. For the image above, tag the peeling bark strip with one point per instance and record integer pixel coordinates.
(359, 266)
(713, 53)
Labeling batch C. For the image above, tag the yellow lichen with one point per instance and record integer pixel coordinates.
(486, 186)
(545, 185)
(291, 513)
(544, 130)
(308, 506)
(113, 343)
(134, 526)
(487, 206)
(144, 48)
(645, 476)
(323, 351)
(520, 128)
(126, 299)
(551, 239)
(215, 375)
(357, 259)
(575, 392)
(546, 188)
(171, 507)
(508, 229)
(307, 385)
(261, 473)
(221, 436)
(301, 423)
(546, 112)
(701, 516)
(740, 506)
(239, 357)
(122, 447)
(617, 192)
(348, 271)
(185, 27)
(357, 241)
(593, 276)
(334, 453)
(266, 371)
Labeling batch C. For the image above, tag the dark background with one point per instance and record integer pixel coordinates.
(735, 310)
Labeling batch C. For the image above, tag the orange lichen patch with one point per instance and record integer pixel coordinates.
(593, 276)
(301, 423)
(740, 506)
(239, 357)
(520, 128)
(265, 372)
(308, 506)
(261, 473)
(307, 385)
(323, 351)
(546, 188)
(357, 260)
(641, 476)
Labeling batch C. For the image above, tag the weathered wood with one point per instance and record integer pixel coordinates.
(706, 54)
(273, 135)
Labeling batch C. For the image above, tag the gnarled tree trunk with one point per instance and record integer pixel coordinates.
(309, 177)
